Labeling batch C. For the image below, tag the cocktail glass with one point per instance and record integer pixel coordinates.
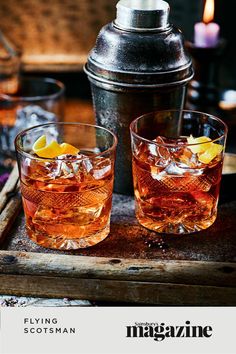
(36, 101)
(177, 168)
(67, 199)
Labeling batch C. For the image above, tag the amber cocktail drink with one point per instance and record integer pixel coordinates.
(177, 167)
(66, 187)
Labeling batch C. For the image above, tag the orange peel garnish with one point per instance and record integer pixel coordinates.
(206, 149)
(209, 155)
(203, 144)
(53, 149)
(69, 149)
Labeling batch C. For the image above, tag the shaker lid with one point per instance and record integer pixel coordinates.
(142, 14)
(140, 49)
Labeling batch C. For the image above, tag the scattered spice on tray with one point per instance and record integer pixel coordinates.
(156, 243)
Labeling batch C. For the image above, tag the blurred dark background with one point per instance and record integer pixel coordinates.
(56, 35)
(185, 13)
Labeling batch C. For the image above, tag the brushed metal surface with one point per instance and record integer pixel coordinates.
(133, 73)
(138, 15)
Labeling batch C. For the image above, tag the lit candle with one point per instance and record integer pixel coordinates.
(206, 33)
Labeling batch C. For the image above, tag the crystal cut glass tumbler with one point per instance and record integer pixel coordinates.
(67, 199)
(177, 168)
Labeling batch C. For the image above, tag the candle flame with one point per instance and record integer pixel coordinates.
(209, 10)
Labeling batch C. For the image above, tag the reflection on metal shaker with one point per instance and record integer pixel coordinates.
(137, 65)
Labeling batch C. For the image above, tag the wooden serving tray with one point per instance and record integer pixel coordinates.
(132, 265)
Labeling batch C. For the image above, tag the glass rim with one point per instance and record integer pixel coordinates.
(32, 157)
(175, 144)
(59, 84)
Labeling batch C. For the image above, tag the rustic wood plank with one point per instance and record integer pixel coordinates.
(22, 301)
(54, 67)
(184, 272)
(8, 216)
(9, 187)
(115, 290)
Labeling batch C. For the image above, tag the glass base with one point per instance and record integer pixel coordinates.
(178, 228)
(61, 242)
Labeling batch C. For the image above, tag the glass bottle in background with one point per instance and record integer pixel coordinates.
(10, 63)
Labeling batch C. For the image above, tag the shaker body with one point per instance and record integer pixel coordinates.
(116, 109)
(137, 65)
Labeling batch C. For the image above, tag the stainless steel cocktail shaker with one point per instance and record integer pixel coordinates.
(138, 65)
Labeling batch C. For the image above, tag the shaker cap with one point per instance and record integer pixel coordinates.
(142, 14)
(140, 50)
